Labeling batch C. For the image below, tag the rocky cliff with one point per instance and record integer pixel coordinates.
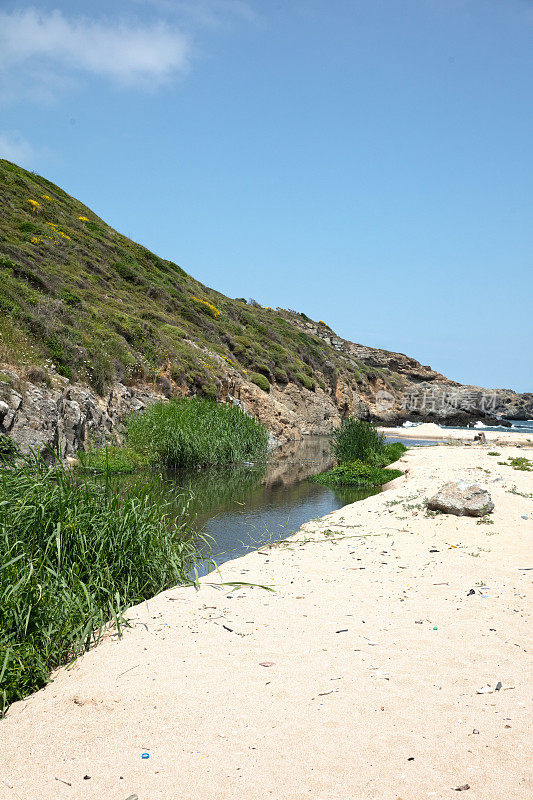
(66, 417)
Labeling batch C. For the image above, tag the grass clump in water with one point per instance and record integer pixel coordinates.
(193, 431)
(184, 432)
(357, 440)
(74, 554)
(355, 473)
(362, 454)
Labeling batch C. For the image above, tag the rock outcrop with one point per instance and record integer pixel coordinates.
(393, 388)
(65, 418)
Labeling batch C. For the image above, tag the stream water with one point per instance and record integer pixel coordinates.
(243, 507)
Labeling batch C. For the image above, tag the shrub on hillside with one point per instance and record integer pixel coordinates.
(260, 380)
(306, 381)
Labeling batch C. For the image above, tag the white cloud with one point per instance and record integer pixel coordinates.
(127, 54)
(14, 148)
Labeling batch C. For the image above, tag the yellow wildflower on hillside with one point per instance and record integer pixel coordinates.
(46, 197)
(84, 219)
(209, 308)
(35, 205)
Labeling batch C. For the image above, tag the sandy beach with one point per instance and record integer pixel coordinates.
(358, 677)
(429, 430)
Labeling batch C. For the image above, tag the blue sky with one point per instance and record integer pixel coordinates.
(368, 162)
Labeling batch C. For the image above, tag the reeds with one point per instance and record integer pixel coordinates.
(357, 440)
(193, 431)
(362, 454)
(74, 554)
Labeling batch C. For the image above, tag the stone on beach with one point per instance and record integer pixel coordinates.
(462, 499)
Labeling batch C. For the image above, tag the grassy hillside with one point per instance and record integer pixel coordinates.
(79, 295)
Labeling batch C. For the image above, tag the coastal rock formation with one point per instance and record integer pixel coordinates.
(462, 499)
(67, 418)
(394, 387)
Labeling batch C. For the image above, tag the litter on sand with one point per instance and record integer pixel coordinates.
(488, 689)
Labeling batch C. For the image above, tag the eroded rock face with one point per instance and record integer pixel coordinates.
(462, 499)
(418, 392)
(65, 419)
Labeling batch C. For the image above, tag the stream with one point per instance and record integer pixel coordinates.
(242, 507)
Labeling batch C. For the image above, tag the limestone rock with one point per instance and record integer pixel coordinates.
(462, 499)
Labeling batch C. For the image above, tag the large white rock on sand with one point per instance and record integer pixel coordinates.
(462, 499)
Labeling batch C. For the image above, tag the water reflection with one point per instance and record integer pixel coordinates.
(242, 507)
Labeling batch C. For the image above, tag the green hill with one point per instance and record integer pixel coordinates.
(80, 300)
(101, 307)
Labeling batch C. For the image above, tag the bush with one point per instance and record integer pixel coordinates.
(260, 380)
(73, 555)
(355, 473)
(70, 298)
(193, 431)
(357, 440)
(306, 381)
(209, 390)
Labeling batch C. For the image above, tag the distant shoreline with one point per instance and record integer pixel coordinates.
(429, 430)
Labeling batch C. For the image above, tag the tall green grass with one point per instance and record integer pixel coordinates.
(357, 440)
(362, 454)
(193, 431)
(355, 473)
(74, 554)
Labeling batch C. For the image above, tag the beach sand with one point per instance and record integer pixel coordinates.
(429, 430)
(357, 678)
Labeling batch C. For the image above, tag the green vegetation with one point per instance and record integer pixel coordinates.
(362, 455)
(260, 381)
(8, 448)
(101, 307)
(112, 459)
(74, 554)
(493, 453)
(355, 473)
(358, 440)
(184, 432)
(521, 463)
